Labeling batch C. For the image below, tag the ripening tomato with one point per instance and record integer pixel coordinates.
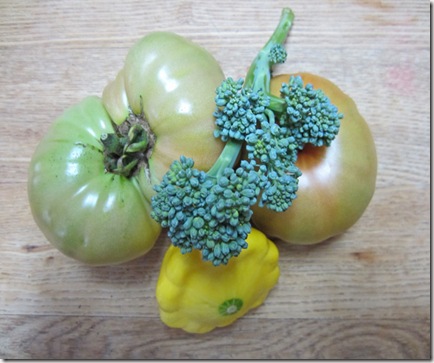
(337, 182)
(91, 177)
(171, 82)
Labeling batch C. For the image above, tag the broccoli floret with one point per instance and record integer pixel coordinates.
(277, 54)
(312, 118)
(271, 150)
(211, 211)
(238, 110)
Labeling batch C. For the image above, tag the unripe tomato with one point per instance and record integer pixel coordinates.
(172, 82)
(91, 177)
(337, 182)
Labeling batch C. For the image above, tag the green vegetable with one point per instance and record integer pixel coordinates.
(211, 211)
(87, 213)
(91, 176)
(168, 81)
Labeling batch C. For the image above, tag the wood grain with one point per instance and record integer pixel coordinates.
(364, 294)
(80, 337)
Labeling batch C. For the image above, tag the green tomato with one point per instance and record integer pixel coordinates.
(87, 213)
(177, 101)
(91, 177)
(337, 182)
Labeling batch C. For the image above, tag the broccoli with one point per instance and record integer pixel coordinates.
(207, 211)
(211, 211)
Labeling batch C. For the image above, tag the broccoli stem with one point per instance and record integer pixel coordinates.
(258, 78)
(259, 74)
(226, 159)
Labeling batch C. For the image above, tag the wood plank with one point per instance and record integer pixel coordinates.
(81, 337)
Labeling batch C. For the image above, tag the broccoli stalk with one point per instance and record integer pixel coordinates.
(211, 211)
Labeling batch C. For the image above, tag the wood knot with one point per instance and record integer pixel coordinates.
(36, 248)
(365, 256)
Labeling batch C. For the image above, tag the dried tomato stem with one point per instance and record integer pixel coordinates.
(129, 147)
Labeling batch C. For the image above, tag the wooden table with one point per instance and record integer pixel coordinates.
(364, 294)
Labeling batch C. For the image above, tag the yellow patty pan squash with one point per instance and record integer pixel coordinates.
(197, 296)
